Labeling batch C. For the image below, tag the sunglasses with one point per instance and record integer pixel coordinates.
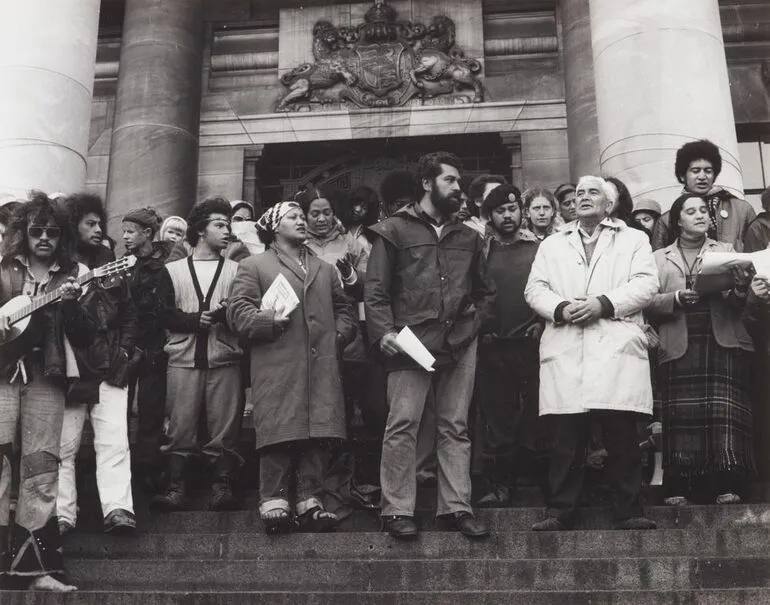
(37, 232)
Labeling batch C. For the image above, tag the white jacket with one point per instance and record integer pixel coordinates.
(603, 365)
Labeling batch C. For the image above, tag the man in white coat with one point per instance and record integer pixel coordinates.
(590, 282)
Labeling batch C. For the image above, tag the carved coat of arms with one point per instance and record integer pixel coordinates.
(382, 62)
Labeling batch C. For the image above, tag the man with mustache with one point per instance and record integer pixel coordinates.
(508, 351)
(426, 272)
(34, 262)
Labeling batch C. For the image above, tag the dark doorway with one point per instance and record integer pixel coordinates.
(285, 168)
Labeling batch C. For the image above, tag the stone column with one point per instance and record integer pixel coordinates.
(580, 91)
(154, 153)
(47, 62)
(661, 81)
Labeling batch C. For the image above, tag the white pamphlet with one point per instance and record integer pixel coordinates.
(718, 263)
(280, 297)
(412, 346)
(761, 262)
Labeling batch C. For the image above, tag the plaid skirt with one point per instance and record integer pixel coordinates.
(705, 404)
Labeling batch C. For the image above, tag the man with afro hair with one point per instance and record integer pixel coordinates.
(697, 166)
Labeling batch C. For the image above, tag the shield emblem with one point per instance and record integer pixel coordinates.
(380, 66)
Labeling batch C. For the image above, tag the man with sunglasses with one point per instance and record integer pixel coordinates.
(34, 262)
(204, 356)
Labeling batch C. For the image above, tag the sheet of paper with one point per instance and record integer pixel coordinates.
(761, 262)
(280, 297)
(412, 346)
(717, 263)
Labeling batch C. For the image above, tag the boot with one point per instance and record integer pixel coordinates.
(175, 496)
(222, 497)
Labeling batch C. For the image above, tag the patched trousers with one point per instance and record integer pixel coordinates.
(31, 546)
(408, 391)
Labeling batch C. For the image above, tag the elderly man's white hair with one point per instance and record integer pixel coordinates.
(609, 190)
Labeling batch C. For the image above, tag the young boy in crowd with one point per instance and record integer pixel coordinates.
(508, 353)
(204, 358)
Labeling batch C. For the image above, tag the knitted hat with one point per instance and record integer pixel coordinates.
(646, 205)
(144, 217)
(268, 222)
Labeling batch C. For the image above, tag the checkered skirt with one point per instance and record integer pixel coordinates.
(705, 403)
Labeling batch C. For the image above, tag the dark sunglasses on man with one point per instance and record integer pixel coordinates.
(37, 232)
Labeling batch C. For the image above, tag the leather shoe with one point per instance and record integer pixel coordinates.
(466, 524)
(120, 522)
(400, 527)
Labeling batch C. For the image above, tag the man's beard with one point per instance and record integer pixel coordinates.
(446, 205)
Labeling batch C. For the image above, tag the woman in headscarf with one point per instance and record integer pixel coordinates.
(704, 375)
(295, 379)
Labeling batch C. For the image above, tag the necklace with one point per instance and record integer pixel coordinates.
(689, 278)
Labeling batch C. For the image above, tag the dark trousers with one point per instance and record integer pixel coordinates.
(150, 385)
(571, 434)
(508, 375)
(278, 463)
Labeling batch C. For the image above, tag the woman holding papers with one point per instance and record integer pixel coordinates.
(295, 378)
(704, 374)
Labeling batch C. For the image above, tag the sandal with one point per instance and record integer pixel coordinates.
(276, 521)
(318, 520)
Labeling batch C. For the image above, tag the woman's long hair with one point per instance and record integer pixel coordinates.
(39, 210)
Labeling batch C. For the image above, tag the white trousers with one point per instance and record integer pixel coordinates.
(113, 459)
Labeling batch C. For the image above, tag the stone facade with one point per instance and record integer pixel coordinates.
(560, 96)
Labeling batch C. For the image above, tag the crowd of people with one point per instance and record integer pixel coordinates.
(560, 322)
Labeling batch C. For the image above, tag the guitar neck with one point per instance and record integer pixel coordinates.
(45, 299)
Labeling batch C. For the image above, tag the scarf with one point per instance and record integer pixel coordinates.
(269, 221)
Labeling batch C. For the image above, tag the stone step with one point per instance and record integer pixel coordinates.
(505, 543)
(690, 597)
(736, 596)
(650, 573)
(667, 517)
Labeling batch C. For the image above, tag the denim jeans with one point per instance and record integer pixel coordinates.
(38, 408)
(408, 391)
(113, 460)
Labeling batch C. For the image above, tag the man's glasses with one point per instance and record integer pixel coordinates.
(37, 232)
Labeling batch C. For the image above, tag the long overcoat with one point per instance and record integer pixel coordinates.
(604, 364)
(295, 378)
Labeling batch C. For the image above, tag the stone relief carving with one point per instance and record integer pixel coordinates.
(382, 62)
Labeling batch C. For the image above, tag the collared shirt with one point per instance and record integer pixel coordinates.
(437, 227)
(590, 241)
(31, 286)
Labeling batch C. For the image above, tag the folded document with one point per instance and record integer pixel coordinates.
(280, 297)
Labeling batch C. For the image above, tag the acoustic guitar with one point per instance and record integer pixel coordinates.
(19, 310)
